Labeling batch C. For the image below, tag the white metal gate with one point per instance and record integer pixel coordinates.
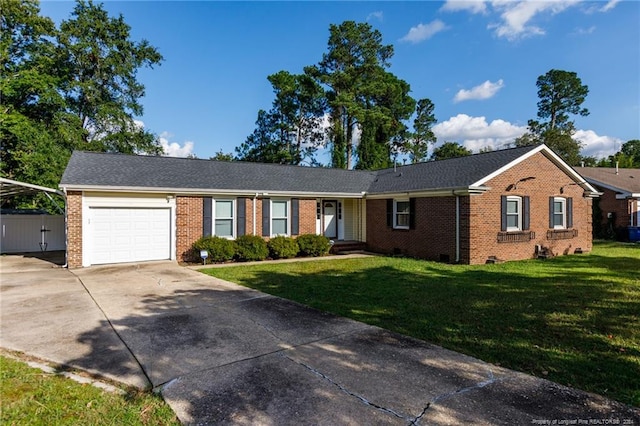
(31, 233)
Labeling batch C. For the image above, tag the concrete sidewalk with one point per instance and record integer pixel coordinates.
(221, 353)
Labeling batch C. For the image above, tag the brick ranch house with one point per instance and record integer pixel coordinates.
(501, 205)
(618, 207)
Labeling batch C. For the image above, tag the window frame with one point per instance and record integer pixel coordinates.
(396, 213)
(287, 218)
(215, 218)
(518, 214)
(563, 213)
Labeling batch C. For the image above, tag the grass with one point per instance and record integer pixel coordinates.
(31, 396)
(572, 319)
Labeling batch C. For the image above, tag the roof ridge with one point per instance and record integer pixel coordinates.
(250, 163)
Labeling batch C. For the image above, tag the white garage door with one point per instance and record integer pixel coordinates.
(130, 235)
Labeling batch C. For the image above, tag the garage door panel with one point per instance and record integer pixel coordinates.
(130, 234)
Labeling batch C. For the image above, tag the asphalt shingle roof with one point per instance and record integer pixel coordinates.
(119, 170)
(451, 173)
(132, 171)
(625, 179)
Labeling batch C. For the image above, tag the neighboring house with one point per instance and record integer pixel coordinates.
(618, 208)
(502, 205)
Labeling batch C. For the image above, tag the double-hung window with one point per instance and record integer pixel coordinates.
(559, 213)
(223, 219)
(279, 217)
(514, 213)
(401, 214)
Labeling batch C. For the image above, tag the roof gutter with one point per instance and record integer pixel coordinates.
(212, 191)
(437, 192)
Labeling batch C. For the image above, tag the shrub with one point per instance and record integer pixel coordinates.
(313, 245)
(283, 247)
(251, 247)
(219, 249)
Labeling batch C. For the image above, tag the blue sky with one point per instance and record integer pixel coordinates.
(477, 61)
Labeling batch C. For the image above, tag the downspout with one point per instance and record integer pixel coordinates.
(66, 230)
(254, 213)
(457, 228)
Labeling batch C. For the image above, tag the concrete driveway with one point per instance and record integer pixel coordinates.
(221, 353)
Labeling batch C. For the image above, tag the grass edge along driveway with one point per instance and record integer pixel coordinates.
(31, 396)
(573, 319)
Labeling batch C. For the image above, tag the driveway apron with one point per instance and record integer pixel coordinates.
(224, 354)
(46, 312)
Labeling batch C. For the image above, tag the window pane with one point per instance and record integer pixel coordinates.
(224, 208)
(402, 220)
(557, 206)
(279, 208)
(512, 206)
(402, 207)
(279, 226)
(558, 220)
(512, 221)
(224, 228)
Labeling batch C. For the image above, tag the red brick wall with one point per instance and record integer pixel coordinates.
(189, 222)
(188, 226)
(485, 214)
(307, 217)
(609, 204)
(480, 219)
(306, 212)
(74, 229)
(433, 237)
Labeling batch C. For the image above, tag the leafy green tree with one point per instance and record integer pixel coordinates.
(589, 161)
(298, 110)
(632, 150)
(381, 123)
(222, 156)
(37, 133)
(417, 146)
(291, 130)
(103, 91)
(69, 88)
(627, 157)
(560, 93)
(619, 159)
(561, 142)
(355, 57)
(449, 150)
(264, 145)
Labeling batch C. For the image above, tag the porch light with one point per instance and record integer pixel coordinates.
(564, 186)
(515, 184)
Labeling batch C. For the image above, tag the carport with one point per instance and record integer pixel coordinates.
(11, 188)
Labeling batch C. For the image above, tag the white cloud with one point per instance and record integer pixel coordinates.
(423, 32)
(594, 145)
(477, 6)
(475, 133)
(610, 5)
(174, 149)
(378, 15)
(139, 124)
(585, 31)
(517, 15)
(485, 90)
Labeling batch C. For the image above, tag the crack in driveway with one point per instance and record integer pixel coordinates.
(490, 380)
(347, 391)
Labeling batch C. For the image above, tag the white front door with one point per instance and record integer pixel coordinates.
(329, 209)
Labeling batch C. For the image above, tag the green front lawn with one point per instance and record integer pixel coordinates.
(572, 319)
(29, 396)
